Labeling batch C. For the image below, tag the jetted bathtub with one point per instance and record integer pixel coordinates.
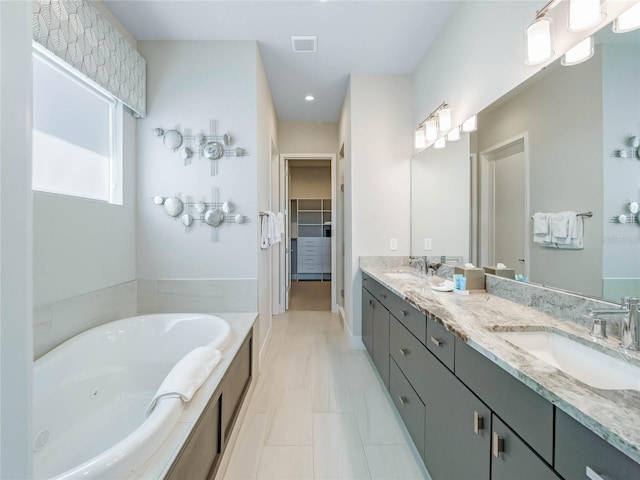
(91, 393)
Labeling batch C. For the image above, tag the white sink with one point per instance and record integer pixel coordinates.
(584, 363)
(403, 275)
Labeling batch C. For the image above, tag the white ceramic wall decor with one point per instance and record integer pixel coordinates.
(209, 146)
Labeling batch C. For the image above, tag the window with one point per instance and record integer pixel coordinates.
(77, 133)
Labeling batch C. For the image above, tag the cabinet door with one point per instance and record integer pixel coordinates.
(381, 341)
(511, 458)
(578, 448)
(457, 429)
(367, 321)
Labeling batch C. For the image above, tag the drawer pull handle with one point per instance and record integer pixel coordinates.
(370, 302)
(591, 475)
(403, 400)
(404, 313)
(478, 423)
(498, 444)
(436, 342)
(383, 295)
(404, 351)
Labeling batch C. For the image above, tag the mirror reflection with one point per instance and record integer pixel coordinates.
(559, 142)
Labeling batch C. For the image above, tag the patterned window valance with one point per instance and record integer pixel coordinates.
(75, 32)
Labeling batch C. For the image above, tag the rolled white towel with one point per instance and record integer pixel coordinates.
(186, 377)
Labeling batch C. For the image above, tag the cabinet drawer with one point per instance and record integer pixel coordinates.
(414, 320)
(578, 448)
(310, 242)
(302, 251)
(309, 268)
(411, 356)
(309, 260)
(408, 404)
(374, 287)
(516, 460)
(441, 343)
(530, 415)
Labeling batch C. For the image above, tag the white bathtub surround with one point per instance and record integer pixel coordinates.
(90, 393)
(58, 321)
(197, 295)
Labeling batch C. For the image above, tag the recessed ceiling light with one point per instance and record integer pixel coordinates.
(309, 98)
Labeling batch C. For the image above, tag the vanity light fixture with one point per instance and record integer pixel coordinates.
(420, 140)
(431, 129)
(578, 54)
(584, 14)
(539, 47)
(440, 143)
(627, 21)
(453, 135)
(470, 125)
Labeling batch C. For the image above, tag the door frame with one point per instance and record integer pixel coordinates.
(284, 167)
(483, 239)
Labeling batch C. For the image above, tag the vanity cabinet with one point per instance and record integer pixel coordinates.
(578, 448)
(381, 341)
(367, 321)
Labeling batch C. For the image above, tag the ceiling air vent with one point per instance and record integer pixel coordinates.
(304, 43)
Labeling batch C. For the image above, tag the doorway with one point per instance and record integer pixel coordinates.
(504, 203)
(311, 262)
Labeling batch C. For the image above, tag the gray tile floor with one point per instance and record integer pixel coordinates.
(319, 411)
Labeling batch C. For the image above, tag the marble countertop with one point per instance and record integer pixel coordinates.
(614, 415)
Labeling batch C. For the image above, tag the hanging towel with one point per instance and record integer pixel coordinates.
(576, 235)
(274, 236)
(186, 377)
(563, 227)
(541, 233)
(264, 232)
(280, 228)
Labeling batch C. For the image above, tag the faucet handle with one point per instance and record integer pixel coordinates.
(599, 328)
(624, 302)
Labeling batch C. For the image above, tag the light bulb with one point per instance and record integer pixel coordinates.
(444, 119)
(627, 21)
(539, 47)
(440, 143)
(420, 140)
(578, 54)
(584, 14)
(431, 129)
(470, 125)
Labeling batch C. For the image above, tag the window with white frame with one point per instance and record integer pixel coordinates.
(77, 133)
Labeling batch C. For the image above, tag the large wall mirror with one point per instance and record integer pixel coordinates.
(547, 146)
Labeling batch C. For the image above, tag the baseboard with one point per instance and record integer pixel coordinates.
(263, 348)
(355, 342)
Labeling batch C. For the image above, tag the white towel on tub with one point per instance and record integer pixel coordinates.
(186, 377)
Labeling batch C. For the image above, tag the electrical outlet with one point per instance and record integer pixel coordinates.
(427, 244)
(393, 244)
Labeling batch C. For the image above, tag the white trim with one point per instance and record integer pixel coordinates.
(355, 342)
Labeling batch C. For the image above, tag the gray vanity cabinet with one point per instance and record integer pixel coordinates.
(577, 448)
(367, 321)
(381, 341)
(512, 459)
(409, 406)
(457, 430)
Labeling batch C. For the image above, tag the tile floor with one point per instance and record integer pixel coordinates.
(310, 295)
(319, 410)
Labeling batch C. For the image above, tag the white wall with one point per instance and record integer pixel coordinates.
(308, 137)
(310, 182)
(267, 136)
(377, 176)
(188, 84)
(562, 114)
(440, 200)
(16, 310)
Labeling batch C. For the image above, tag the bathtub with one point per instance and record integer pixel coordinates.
(91, 392)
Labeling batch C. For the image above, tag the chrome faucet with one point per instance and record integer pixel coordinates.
(629, 325)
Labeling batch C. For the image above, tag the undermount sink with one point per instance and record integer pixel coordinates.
(580, 361)
(402, 275)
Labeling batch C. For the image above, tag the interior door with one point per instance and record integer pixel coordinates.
(287, 235)
(508, 165)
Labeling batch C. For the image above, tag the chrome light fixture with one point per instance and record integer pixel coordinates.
(578, 54)
(453, 135)
(440, 143)
(584, 14)
(539, 47)
(431, 129)
(628, 21)
(444, 119)
(420, 141)
(470, 125)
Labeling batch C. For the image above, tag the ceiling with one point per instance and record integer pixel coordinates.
(353, 37)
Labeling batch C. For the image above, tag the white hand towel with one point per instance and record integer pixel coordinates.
(577, 236)
(560, 227)
(186, 377)
(264, 232)
(540, 223)
(273, 228)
